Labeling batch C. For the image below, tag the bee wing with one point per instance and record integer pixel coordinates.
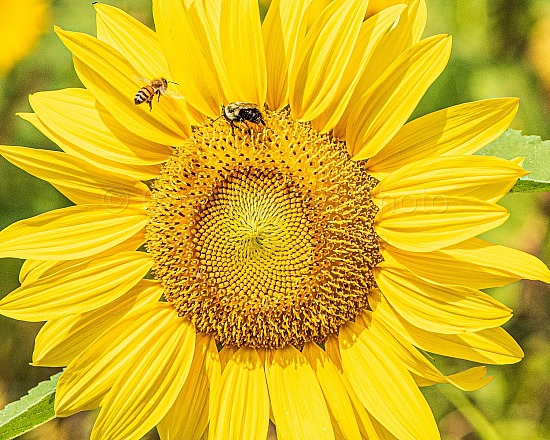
(173, 94)
(142, 79)
(246, 104)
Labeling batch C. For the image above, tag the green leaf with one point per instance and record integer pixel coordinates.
(536, 152)
(30, 411)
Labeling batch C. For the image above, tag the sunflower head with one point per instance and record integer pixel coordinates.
(286, 247)
(264, 239)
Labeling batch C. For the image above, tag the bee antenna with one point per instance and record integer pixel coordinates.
(223, 110)
(173, 82)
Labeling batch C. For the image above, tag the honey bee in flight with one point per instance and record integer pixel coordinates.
(153, 87)
(241, 112)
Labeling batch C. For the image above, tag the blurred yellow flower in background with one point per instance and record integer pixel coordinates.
(23, 21)
(299, 253)
(539, 50)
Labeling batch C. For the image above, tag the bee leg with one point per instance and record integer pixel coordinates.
(150, 102)
(232, 127)
(158, 93)
(248, 130)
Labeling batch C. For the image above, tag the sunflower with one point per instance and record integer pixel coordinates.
(22, 23)
(289, 261)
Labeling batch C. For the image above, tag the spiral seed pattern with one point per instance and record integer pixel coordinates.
(264, 239)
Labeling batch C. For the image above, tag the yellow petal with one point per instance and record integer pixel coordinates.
(114, 83)
(487, 264)
(314, 10)
(139, 172)
(471, 379)
(243, 50)
(60, 341)
(205, 18)
(498, 257)
(76, 117)
(283, 30)
(387, 105)
(191, 66)
(368, 426)
(406, 32)
(296, 398)
(457, 130)
(213, 12)
(188, 417)
(236, 415)
(376, 6)
(322, 57)
(372, 429)
(226, 353)
(425, 224)
(32, 270)
(140, 46)
(77, 180)
(438, 308)
(78, 289)
(485, 178)
(93, 372)
(152, 381)
(70, 233)
(88, 378)
(491, 346)
(384, 386)
(135, 41)
(334, 390)
(423, 371)
(372, 31)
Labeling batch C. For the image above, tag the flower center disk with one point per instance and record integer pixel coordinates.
(264, 239)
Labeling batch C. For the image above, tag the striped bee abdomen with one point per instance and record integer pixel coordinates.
(144, 94)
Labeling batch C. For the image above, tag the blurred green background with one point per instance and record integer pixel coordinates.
(500, 48)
